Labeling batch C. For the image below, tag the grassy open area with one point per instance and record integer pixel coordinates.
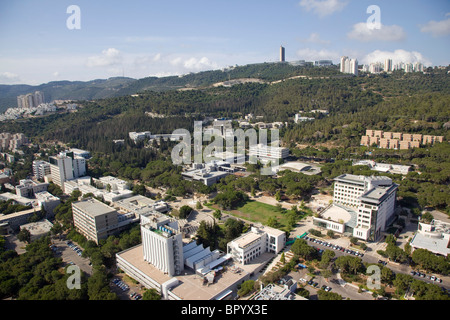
(259, 212)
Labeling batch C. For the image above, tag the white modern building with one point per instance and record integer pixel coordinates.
(28, 188)
(48, 201)
(208, 173)
(256, 242)
(162, 243)
(433, 236)
(373, 199)
(266, 153)
(41, 169)
(66, 166)
(349, 65)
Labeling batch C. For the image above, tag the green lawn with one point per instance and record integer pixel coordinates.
(259, 212)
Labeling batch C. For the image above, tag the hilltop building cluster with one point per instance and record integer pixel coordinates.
(397, 140)
(30, 100)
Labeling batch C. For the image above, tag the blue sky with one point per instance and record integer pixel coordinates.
(139, 38)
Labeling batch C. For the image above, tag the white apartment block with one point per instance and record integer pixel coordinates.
(373, 199)
(162, 243)
(256, 242)
(349, 65)
(41, 169)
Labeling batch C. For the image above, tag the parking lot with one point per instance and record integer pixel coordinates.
(125, 288)
(71, 253)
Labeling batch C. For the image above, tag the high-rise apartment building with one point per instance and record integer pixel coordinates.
(388, 66)
(30, 100)
(349, 65)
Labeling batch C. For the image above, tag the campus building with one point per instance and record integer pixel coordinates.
(162, 243)
(266, 153)
(433, 236)
(208, 173)
(362, 206)
(66, 166)
(41, 169)
(94, 219)
(255, 242)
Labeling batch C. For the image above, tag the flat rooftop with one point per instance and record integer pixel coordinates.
(435, 245)
(247, 239)
(191, 285)
(93, 207)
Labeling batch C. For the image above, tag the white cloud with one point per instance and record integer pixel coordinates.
(199, 64)
(323, 7)
(363, 33)
(396, 56)
(437, 28)
(312, 55)
(109, 57)
(9, 77)
(315, 38)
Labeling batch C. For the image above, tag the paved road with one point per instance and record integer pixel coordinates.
(395, 267)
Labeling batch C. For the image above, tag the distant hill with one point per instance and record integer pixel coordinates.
(122, 86)
(62, 90)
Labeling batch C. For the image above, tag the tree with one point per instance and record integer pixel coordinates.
(246, 288)
(330, 233)
(151, 294)
(323, 295)
(217, 214)
(185, 211)
(302, 249)
(282, 258)
(24, 235)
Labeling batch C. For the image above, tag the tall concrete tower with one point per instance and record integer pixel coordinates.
(282, 54)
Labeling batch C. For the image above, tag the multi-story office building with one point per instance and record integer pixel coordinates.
(162, 243)
(27, 188)
(41, 169)
(255, 242)
(94, 219)
(373, 198)
(266, 153)
(66, 166)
